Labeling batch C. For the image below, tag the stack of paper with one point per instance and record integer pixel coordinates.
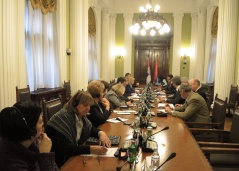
(114, 120)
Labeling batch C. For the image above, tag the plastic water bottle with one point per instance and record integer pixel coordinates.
(132, 152)
(155, 159)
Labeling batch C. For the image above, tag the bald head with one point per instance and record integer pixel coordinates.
(195, 84)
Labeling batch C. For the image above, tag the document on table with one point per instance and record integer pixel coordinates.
(124, 112)
(114, 120)
(162, 105)
(109, 153)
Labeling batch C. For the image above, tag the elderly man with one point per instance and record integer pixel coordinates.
(196, 87)
(194, 109)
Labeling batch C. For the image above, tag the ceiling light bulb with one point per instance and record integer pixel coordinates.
(148, 6)
(141, 9)
(156, 8)
(166, 28)
(142, 32)
(161, 31)
(158, 25)
(152, 32)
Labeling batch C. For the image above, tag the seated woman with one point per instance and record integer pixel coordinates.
(69, 129)
(23, 145)
(100, 110)
(129, 90)
(114, 96)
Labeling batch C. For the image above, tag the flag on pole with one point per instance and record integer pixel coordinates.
(156, 70)
(148, 80)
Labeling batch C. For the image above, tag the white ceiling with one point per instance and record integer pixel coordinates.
(166, 6)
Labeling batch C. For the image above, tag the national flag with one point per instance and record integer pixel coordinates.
(156, 70)
(148, 71)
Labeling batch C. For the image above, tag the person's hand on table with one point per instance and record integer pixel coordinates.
(168, 109)
(98, 149)
(178, 105)
(162, 99)
(129, 103)
(104, 139)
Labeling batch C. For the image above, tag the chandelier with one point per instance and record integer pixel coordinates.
(150, 21)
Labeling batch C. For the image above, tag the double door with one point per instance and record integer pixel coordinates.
(151, 50)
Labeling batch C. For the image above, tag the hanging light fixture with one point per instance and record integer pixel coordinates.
(150, 22)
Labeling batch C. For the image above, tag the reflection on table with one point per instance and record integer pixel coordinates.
(176, 139)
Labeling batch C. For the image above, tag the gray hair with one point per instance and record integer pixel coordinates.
(184, 80)
(185, 87)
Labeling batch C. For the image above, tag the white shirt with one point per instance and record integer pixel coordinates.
(79, 127)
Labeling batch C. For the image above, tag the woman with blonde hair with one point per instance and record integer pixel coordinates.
(114, 96)
(100, 110)
(129, 90)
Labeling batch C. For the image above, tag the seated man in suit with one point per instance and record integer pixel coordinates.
(196, 87)
(169, 89)
(194, 109)
(176, 98)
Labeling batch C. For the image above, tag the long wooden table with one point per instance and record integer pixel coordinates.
(177, 138)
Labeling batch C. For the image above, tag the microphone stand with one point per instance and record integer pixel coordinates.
(123, 122)
(118, 168)
(172, 155)
(144, 144)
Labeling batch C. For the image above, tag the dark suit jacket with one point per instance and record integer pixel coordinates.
(201, 91)
(169, 89)
(194, 109)
(98, 114)
(176, 99)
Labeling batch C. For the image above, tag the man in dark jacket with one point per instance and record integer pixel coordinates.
(197, 88)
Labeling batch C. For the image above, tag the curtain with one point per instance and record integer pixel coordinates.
(41, 49)
(212, 61)
(12, 50)
(92, 63)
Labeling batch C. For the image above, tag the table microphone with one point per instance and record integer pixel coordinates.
(118, 168)
(165, 128)
(172, 155)
(123, 122)
(144, 144)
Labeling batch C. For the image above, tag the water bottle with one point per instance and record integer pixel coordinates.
(132, 151)
(155, 159)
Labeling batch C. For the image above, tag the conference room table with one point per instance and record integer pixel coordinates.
(177, 138)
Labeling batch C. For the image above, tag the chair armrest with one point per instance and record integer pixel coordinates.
(204, 130)
(218, 144)
(220, 150)
(203, 124)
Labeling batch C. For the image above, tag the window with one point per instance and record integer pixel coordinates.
(41, 48)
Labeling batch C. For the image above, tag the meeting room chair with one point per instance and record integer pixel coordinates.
(209, 96)
(67, 86)
(232, 99)
(23, 94)
(217, 121)
(225, 153)
(50, 108)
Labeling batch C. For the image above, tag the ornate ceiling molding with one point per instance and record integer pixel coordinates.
(46, 5)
